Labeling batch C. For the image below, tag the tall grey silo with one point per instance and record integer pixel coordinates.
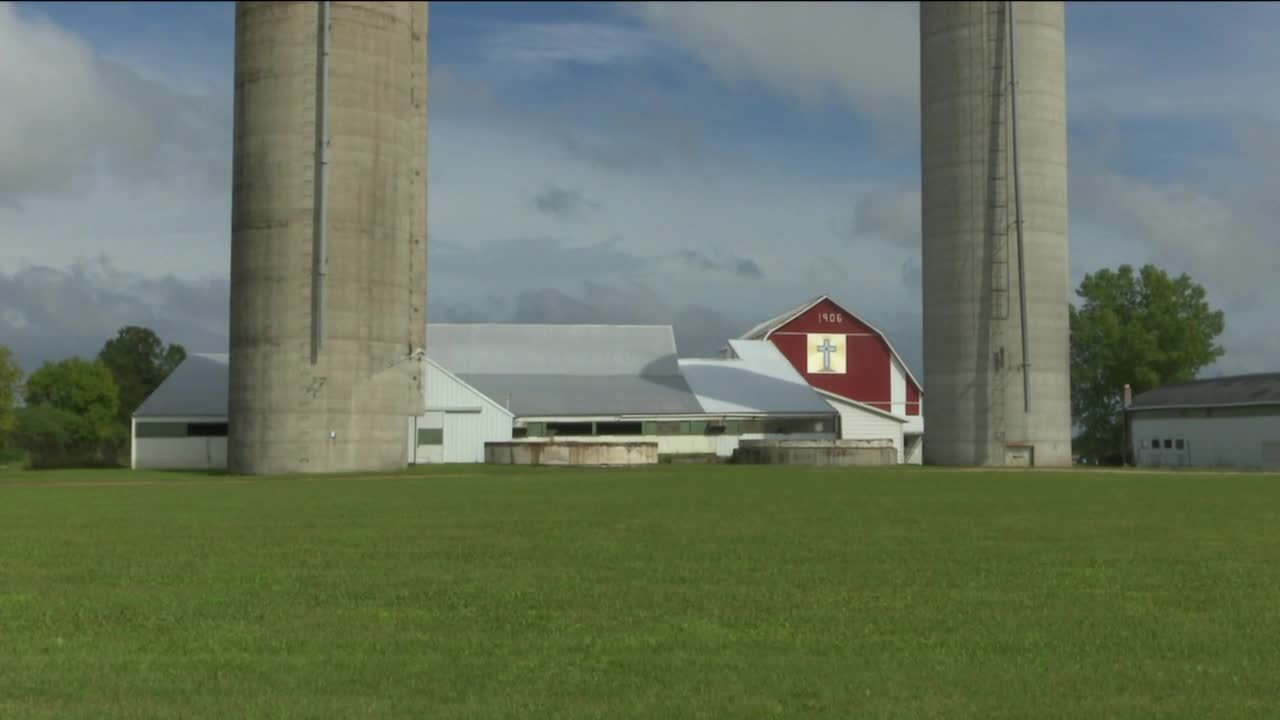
(994, 160)
(328, 235)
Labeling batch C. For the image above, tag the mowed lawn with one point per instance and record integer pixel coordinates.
(673, 592)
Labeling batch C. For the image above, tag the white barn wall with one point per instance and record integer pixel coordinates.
(467, 418)
(1237, 438)
(189, 453)
(897, 387)
(860, 424)
(915, 450)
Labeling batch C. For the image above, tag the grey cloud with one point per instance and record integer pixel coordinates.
(698, 260)
(53, 313)
(739, 266)
(747, 268)
(910, 272)
(892, 215)
(639, 128)
(561, 203)
(545, 260)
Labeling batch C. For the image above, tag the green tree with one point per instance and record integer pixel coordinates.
(1145, 329)
(54, 437)
(139, 362)
(10, 383)
(78, 386)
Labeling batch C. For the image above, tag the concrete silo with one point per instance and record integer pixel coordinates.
(994, 172)
(328, 235)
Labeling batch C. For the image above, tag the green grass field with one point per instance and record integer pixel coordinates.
(673, 592)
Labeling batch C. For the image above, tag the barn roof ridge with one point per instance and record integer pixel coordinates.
(1228, 390)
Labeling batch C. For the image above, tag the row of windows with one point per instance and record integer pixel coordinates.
(674, 427)
(1166, 443)
(180, 430)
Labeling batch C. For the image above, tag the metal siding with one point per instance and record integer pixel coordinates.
(197, 387)
(897, 388)
(1235, 442)
(570, 350)
(586, 395)
(858, 424)
(454, 408)
(914, 445)
(759, 380)
(193, 453)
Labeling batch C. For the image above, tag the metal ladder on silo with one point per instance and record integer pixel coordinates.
(998, 181)
(998, 226)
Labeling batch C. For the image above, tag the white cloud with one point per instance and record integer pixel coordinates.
(69, 114)
(865, 54)
(520, 45)
(678, 213)
(98, 159)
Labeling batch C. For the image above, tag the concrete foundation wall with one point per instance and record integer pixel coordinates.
(571, 453)
(346, 410)
(973, 359)
(816, 452)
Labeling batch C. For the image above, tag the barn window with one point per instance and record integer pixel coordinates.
(1168, 443)
(430, 436)
(206, 429)
(154, 430)
(570, 429)
(619, 428)
(1178, 443)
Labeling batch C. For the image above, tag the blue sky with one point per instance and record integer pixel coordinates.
(702, 164)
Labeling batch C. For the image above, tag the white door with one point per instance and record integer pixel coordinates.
(463, 437)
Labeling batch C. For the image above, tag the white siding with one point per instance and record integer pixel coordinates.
(914, 448)
(860, 424)
(467, 419)
(1229, 438)
(187, 453)
(196, 453)
(897, 387)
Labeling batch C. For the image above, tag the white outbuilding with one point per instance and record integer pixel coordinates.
(183, 424)
(1226, 422)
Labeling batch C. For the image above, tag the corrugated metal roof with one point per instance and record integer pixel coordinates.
(758, 381)
(567, 370)
(578, 350)
(1257, 389)
(196, 388)
(581, 395)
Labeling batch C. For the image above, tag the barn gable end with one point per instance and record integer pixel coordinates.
(849, 357)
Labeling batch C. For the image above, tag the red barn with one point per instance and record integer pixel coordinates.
(855, 367)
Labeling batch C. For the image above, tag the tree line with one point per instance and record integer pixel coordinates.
(76, 412)
(1140, 327)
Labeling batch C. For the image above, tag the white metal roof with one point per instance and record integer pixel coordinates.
(527, 349)
(196, 388)
(758, 380)
(567, 370)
